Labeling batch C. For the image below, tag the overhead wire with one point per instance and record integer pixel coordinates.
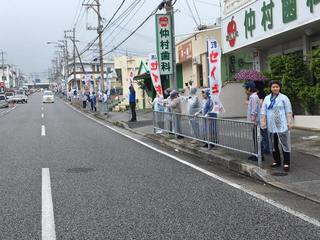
(196, 9)
(92, 42)
(193, 17)
(134, 31)
(118, 26)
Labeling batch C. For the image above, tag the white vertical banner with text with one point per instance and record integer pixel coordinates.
(131, 76)
(155, 74)
(215, 82)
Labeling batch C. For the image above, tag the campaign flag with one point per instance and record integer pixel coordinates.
(155, 73)
(215, 82)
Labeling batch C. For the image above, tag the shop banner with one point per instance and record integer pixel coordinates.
(215, 83)
(155, 74)
(164, 43)
(108, 84)
(248, 22)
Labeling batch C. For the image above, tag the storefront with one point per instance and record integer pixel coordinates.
(267, 27)
(192, 60)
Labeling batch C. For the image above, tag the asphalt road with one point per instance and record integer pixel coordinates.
(106, 186)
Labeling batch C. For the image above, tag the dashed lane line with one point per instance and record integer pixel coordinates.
(48, 231)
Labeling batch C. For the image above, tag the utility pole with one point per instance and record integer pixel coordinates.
(170, 10)
(99, 31)
(74, 55)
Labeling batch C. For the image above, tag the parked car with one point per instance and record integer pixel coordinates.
(3, 101)
(48, 97)
(9, 96)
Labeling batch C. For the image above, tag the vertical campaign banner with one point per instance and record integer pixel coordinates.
(108, 84)
(215, 82)
(155, 74)
(164, 43)
(131, 76)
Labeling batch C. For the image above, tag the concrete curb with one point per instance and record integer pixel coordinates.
(216, 157)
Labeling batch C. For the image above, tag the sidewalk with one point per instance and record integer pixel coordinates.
(303, 178)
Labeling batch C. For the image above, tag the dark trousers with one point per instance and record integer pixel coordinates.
(84, 104)
(133, 112)
(93, 106)
(276, 153)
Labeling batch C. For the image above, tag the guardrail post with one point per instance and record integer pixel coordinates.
(153, 121)
(208, 131)
(259, 146)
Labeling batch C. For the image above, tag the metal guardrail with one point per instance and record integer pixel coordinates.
(240, 136)
(103, 107)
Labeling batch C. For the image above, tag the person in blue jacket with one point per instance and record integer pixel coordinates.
(132, 103)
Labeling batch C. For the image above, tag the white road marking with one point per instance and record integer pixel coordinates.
(42, 115)
(221, 179)
(48, 231)
(42, 108)
(43, 130)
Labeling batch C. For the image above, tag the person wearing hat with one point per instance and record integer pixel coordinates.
(175, 108)
(253, 110)
(158, 108)
(206, 111)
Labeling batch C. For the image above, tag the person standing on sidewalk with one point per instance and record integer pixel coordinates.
(175, 109)
(132, 103)
(276, 116)
(93, 100)
(207, 113)
(158, 108)
(253, 111)
(194, 106)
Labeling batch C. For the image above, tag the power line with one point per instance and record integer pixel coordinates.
(91, 44)
(208, 3)
(118, 26)
(133, 32)
(195, 7)
(193, 17)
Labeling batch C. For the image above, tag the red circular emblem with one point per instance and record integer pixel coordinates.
(232, 32)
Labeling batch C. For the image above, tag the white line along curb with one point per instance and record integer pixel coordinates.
(226, 181)
(48, 231)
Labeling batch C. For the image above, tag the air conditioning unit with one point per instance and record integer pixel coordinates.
(196, 60)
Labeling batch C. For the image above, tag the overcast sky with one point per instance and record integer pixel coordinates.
(26, 26)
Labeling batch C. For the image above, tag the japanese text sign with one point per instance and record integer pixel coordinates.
(185, 52)
(131, 76)
(164, 43)
(155, 74)
(266, 18)
(215, 83)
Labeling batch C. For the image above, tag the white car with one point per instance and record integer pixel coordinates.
(48, 97)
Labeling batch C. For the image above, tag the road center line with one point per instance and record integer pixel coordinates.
(42, 108)
(48, 231)
(43, 130)
(221, 179)
(42, 115)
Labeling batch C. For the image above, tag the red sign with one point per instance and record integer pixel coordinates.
(185, 52)
(1, 84)
(164, 21)
(155, 74)
(232, 32)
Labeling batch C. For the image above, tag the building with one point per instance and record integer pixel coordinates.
(91, 70)
(9, 77)
(192, 69)
(266, 28)
(123, 66)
